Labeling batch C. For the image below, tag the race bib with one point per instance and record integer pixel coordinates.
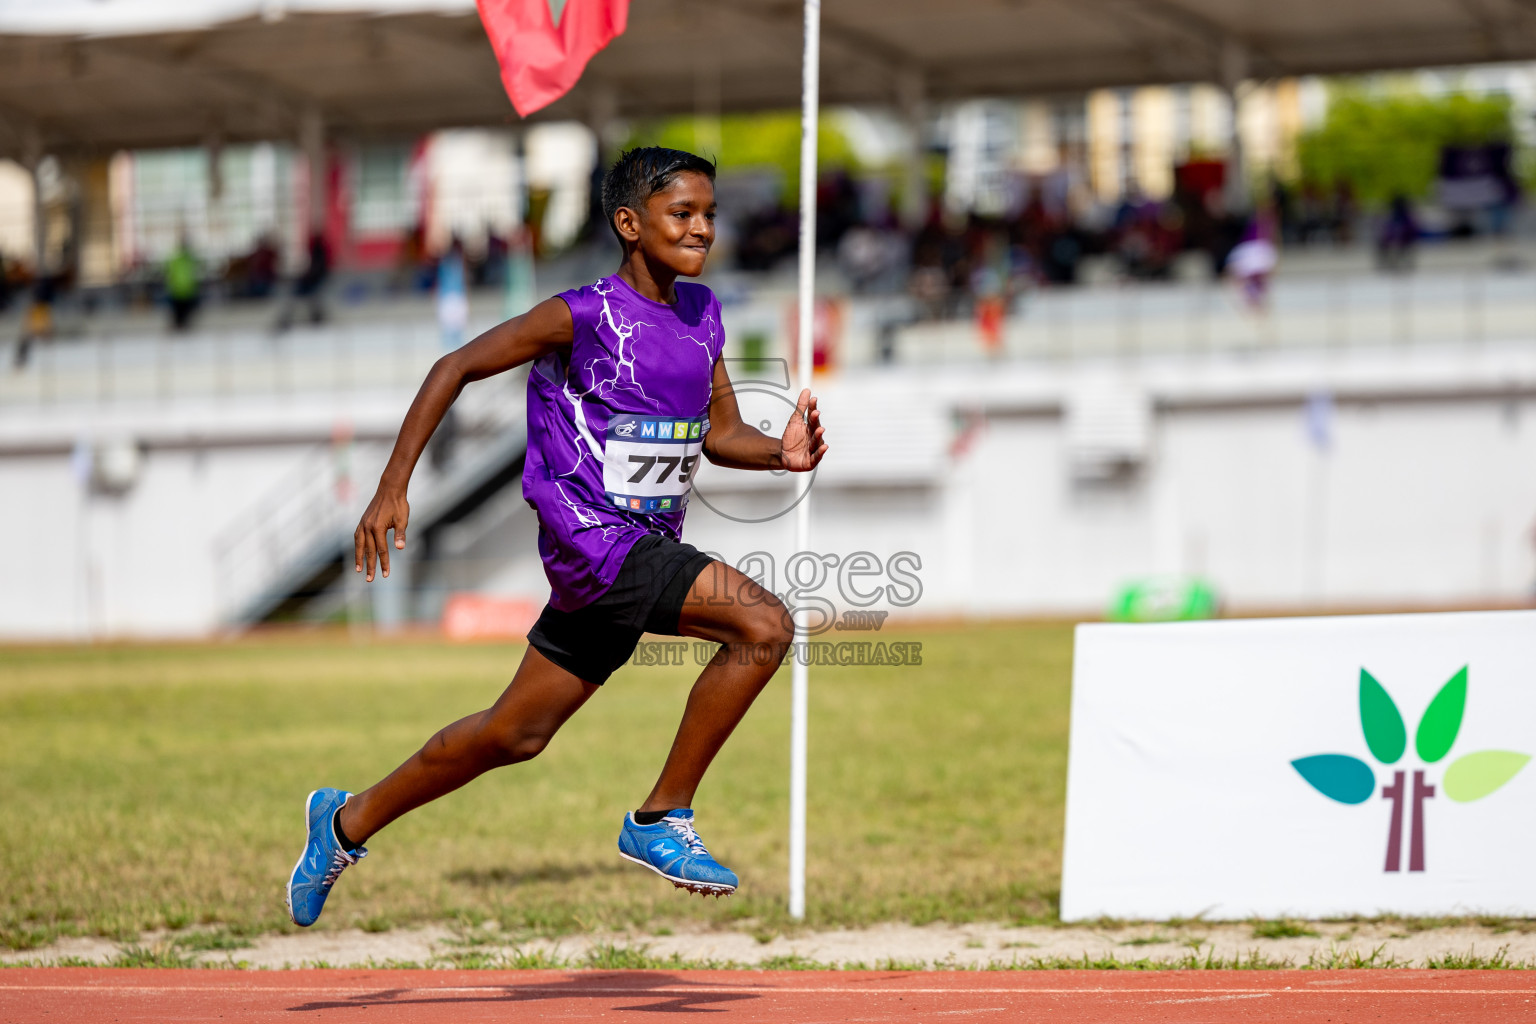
(648, 464)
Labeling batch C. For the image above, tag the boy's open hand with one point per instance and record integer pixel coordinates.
(802, 447)
(387, 511)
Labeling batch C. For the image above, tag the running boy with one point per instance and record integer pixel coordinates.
(626, 392)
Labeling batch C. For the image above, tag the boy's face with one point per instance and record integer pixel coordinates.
(677, 226)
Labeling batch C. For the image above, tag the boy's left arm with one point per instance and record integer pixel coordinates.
(737, 445)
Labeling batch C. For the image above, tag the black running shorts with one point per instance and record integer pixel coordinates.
(646, 597)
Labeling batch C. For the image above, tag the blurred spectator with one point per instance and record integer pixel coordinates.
(7, 285)
(837, 209)
(1287, 217)
(261, 268)
(767, 237)
(38, 325)
(1227, 232)
(254, 274)
(415, 270)
(871, 256)
(1343, 213)
(1395, 242)
(492, 271)
(941, 262)
(1310, 214)
(1045, 242)
(1254, 258)
(452, 319)
(990, 312)
(310, 286)
(1148, 237)
(452, 295)
(183, 285)
(1063, 253)
(1321, 217)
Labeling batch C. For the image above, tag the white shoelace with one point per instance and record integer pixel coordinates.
(687, 836)
(340, 861)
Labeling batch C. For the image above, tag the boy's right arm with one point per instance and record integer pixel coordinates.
(543, 329)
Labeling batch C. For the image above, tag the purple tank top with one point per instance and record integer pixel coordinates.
(616, 429)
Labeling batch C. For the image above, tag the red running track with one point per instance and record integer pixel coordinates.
(88, 995)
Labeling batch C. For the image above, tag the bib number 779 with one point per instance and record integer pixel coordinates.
(649, 463)
(664, 465)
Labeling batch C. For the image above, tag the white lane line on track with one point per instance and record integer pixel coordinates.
(574, 991)
(1215, 999)
(887, 1018)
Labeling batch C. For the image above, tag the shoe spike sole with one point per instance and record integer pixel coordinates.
(703, 888)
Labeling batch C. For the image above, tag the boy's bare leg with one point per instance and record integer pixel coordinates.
(537, 702)
(725, 606)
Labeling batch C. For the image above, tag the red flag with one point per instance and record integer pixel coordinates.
(539, 59)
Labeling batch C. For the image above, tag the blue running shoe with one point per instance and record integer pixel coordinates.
(323, 859)
(673, 850)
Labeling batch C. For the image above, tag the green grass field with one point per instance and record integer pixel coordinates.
(161, 786)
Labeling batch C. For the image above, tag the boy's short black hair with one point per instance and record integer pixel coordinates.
(640, 173)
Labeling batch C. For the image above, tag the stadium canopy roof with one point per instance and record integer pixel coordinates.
(103, 74)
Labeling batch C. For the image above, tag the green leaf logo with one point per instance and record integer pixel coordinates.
(1442, 719)
(1340, 777)
(1380, 721)
(1474, 776)
(1349, 780)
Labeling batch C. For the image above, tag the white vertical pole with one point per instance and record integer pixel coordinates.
(810, 103)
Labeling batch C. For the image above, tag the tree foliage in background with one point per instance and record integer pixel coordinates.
(752, 142)
(1382, 146)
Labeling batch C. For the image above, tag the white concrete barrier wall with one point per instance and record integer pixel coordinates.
(1414, 483)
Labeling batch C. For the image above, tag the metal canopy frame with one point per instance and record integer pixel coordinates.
(77, 79)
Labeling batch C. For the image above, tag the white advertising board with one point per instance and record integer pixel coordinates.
(1303, 768)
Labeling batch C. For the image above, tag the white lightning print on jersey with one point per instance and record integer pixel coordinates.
(714, 332)
(586, 445)
(709, 364)
(584, 442)
(585, 516)
(623, 360)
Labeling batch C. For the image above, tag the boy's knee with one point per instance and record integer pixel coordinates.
(516, 747)
(770, 624)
